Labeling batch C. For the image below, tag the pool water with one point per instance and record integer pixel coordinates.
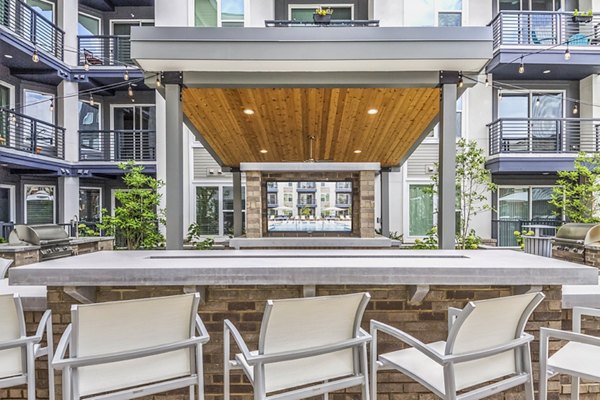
(310, 226)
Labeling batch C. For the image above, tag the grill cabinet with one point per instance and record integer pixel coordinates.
(53, 239)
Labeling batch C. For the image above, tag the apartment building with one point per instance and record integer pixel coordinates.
(530, 121)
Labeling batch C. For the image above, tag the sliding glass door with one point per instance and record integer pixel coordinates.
(131, 125)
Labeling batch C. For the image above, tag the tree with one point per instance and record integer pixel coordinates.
(137, 216)
(473, 185)
(578, 191)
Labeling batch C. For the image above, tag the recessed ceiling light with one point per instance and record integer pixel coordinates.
(8, 56)
(357, 151)
(248, 111)
(546, 71)
(264, 151)
(372, 111)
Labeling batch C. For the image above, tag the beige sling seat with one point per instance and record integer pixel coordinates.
(486, 342)
(134, 348)
(307, 347)
(19, 351)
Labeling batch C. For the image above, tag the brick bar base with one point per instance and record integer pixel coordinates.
(244, 306)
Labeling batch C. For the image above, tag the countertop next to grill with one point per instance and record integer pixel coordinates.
(304, 267)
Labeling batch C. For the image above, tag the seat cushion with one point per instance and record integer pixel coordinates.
(578, 358)
(418, 366)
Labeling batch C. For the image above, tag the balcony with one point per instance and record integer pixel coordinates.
(542, 28)
(121, 145)
(104, 50)
(30, 135)
(343, 187)
(540, 135)
(517, 33)
(27, 24)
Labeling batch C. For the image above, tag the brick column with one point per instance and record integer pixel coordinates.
(253, 204)
(367, 204)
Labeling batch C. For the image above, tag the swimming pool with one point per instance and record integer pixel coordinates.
(310, 226)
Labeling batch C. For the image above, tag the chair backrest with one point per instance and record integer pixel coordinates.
(486, 324)
(12, 326)
(295, 324)
(121, 326)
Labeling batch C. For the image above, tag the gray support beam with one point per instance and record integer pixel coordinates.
(385, 202)
(174, 176)
(237, 204)
(447, 167)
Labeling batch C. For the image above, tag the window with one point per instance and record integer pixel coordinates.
(7, 203)
(304, 12)
(131, 143)
(90, 204)
(37, 105)
(433, 13)
(517, 204)
(435, 132)
(214, 209)
(420, 213)
(39, 204)
(531, 5)
(6, 101)
(43, 7)
(212, 13)
(343, 199)
(87, 25)
(90, 140)
(306, 199)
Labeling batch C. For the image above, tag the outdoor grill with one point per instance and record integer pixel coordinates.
(53, 239)
(572, 239)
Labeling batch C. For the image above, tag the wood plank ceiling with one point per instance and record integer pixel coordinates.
(285, 118)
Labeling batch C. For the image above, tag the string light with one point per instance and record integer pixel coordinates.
(158, 83)
(86, 66)
(52, 105)
(567, 54)
(522, 67)
(537, 101)
(575, 109)
(92, 103)
(13, 117)
(130, 91)
(499, 93)
(487, 81)
(35, 57)
(126, 75)
(461, 81)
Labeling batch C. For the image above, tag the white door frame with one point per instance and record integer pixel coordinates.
(12, 200)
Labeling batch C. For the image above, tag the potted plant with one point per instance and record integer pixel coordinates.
(322, 15)
(582, 17)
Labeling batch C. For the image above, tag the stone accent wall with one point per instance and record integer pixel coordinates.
(254, 205)
(244, 306)
(367, 204)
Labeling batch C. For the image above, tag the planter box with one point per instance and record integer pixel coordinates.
(582, 19)
(322, 19)
(540, 246)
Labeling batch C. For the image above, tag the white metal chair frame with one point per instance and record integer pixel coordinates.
(32, 349)
(69, 366)
(456, 317)
(547, 372)
(258, 361)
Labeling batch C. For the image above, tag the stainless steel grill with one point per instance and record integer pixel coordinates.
(571, 241)
(52, 239)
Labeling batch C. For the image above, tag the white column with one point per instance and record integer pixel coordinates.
(161, 154)
(68, 110)
(385, 202)
(173, 12)
(174, 173)
(589, 95)
(67, 17)
(68, 199)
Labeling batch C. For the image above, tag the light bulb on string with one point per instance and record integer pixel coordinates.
(13, 117)
(537, 101)
(522, 66)
(126, 75)
(158, 83)
(86, 66)
(567, 54)
(487, 81)
(461, 82)
(52, 105)
(575, 109)
(130, 91)
(92, 103)
(35, 57)
(499, 93)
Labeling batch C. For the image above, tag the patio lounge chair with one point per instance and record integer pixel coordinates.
(577, 358)
(19, 351)
(486, 341)
(307, 347)
(134, 348)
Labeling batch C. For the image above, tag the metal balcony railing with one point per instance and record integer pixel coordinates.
(30, 135)
(120, 145)
(26, 23)
(544, 135)
(104, 50)
(543, 28)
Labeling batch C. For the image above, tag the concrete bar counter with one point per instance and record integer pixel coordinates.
(410, 289)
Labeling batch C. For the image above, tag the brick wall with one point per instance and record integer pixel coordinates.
(244, 306)
(253, 205)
